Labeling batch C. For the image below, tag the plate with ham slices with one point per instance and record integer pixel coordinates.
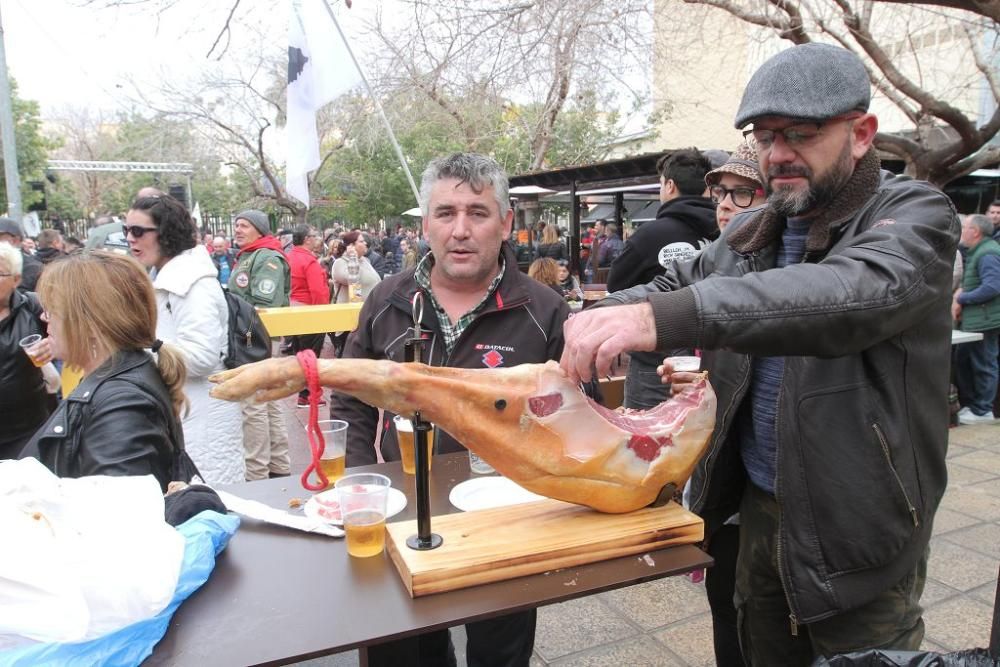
(325, 506)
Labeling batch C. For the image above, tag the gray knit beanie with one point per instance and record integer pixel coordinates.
(810, 82)
(258, 219)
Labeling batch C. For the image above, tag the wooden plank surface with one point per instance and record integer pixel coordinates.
(506, 542)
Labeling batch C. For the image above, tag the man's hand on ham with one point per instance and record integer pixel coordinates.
(595, 337)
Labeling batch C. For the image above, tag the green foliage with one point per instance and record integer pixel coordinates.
(363, 181)
(32, 148)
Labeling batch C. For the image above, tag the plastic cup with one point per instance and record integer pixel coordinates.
(478, 465)
(28, 344)
(363, 498)
(404, 435)
(332, 462)
(685, 364)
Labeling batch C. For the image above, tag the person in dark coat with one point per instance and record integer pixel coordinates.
(684, 224)
(31, 268)
(24, 402)
(124, 416)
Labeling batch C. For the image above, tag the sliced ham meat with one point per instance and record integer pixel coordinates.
(529, 422)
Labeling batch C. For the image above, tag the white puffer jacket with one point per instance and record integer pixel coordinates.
(193, 316)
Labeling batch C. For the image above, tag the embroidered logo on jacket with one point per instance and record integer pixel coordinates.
(492, 359)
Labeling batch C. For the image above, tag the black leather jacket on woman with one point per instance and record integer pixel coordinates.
(862, 415)
(118, 421)
(24, 403)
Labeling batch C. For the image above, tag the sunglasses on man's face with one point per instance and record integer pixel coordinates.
(136, 231)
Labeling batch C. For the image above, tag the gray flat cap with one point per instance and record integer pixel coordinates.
(258, 219)
(810, 81)
(12, 227)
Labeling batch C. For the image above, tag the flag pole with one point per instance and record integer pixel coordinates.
(378, 105)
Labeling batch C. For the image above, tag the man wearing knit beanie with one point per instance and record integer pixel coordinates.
(262, 277)
(824, 320)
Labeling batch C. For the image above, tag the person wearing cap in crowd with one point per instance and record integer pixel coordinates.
(734, 186)
(685, 223)
(825, 324)
(262, 277)
(12, 233)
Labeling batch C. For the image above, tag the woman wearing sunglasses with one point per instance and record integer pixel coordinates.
(124, 416)
(193, 316)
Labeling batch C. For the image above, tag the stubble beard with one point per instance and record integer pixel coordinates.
(789, 202)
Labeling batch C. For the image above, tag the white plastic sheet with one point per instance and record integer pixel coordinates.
(81, 557)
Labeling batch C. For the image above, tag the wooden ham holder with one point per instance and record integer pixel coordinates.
(496, 544)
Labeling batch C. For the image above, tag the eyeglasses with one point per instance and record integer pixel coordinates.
(795, 136)
(741, 197)
(136, 231)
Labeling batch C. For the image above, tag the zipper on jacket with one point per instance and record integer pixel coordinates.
(782, 575)
(899, 482)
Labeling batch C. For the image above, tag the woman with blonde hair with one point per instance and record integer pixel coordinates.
(124, 416)
(546, 271)
(551, 245)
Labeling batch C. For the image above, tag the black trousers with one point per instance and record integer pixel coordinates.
(720, 584)
(505, 641)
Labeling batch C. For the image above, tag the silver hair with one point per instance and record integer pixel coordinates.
(479, 171)
(983, 223)
(12, 257)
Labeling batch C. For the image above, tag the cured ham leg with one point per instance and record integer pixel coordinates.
(529, 422)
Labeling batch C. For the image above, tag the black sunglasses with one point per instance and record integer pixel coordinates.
(136, 231)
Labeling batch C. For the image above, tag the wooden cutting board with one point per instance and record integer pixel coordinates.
(506, 542)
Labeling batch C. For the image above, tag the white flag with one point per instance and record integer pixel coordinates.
(320, 68)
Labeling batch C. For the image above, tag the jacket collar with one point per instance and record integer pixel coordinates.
(181, 272)
(509, 293)
(119, 363)
(765, 226)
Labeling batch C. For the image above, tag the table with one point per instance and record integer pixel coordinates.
(279, 596)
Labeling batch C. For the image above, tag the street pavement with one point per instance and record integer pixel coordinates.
(667, 623)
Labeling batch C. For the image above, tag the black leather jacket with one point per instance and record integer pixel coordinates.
(521, 324)
(118, 421)
(862, 426)
(24, 403)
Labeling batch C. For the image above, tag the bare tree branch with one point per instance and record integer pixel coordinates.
(988, 8)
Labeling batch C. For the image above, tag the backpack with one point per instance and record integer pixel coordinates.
(248, 339)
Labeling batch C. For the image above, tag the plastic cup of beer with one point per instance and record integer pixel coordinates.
(685, 364)
(404, 435)
(363, 499)
(29, 345)
(478, 465)
(335, 449)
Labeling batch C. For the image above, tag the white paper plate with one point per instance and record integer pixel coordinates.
(325, 506)
(485, 492)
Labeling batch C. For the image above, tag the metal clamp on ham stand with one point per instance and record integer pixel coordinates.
(424, 540)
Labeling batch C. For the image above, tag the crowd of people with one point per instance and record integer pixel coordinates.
(819, 291)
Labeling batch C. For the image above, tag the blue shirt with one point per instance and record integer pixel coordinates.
(757, 425)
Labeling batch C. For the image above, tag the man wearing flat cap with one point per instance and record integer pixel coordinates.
(262, 277)
(825, 324)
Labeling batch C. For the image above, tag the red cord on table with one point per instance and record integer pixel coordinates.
(307, 359)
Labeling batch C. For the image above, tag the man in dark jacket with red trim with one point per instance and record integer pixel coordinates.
(480, 311)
